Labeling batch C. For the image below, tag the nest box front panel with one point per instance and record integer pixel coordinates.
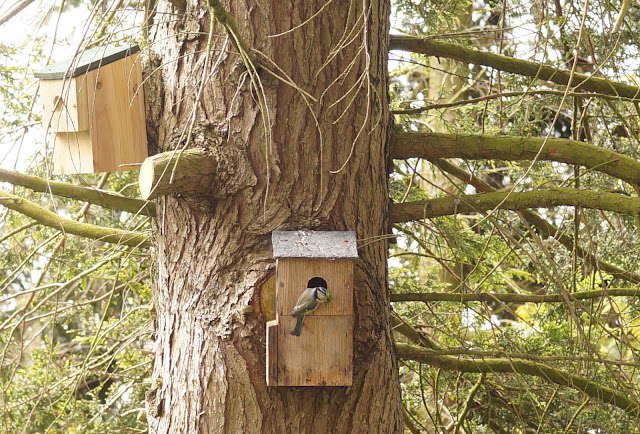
(323, 353)
(321, 356)
(64, 105)
(315, 346)
(72, 153)
(293, 276)
(116, 115)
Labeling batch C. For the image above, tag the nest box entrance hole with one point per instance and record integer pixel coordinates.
(315, 282)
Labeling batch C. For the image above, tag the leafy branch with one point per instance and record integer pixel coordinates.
(467, 146)
(560, 196)
(488, 297)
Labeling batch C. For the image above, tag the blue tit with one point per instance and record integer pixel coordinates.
(307, 303)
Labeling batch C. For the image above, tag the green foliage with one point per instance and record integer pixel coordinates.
(77, 353)
(500, 252)
(76, 315)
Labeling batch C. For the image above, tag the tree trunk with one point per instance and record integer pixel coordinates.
(215, 254)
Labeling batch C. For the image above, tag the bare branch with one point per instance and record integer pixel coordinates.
(15, 11)
(624, 8)
(231, 28)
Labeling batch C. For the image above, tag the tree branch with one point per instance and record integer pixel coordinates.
(196, 172)
(431, 47)
(48, 218)
(409, 332)
(231, 28)
(15, 11)
(435, 145)
(502, 365)
(103, 198)
(542, 225)
(487, 297)
(409, 211)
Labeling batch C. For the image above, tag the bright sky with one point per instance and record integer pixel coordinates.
(40, 20)
(37, 20)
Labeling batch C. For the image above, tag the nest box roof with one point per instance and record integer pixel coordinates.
(314, 244)
(86, 61)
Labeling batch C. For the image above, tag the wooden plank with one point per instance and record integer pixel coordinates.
(63, 106)
(294, 274)
(116, 115)
(272, 353)
(321, 356)
(72, 153)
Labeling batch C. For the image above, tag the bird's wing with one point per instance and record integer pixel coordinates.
(305, 303)
(300, 308)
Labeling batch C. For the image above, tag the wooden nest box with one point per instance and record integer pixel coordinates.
(94, 106)
(323, 353)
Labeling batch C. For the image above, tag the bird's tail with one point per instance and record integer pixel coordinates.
(298, 328)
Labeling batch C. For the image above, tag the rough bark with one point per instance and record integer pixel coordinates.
(214, 254)
(195, 172)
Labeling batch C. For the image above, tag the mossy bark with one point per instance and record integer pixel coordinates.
(431, 47)
(469, 146)
(403, 212)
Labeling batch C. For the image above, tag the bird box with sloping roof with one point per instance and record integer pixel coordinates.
(322, 355)
(93, 105)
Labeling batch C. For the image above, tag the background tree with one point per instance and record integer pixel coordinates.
(536, 223)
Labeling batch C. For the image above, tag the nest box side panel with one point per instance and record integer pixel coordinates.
(116, 115)
(64, 105)
(72, 153)
(272, 353)
(294, 274)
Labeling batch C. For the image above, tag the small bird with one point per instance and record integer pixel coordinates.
(307, 303)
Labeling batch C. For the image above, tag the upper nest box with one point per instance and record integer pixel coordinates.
(322, 355)
(94, 104)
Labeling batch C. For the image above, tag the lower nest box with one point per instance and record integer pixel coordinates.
(314, 275)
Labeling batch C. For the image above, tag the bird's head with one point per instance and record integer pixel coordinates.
(320, 293)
